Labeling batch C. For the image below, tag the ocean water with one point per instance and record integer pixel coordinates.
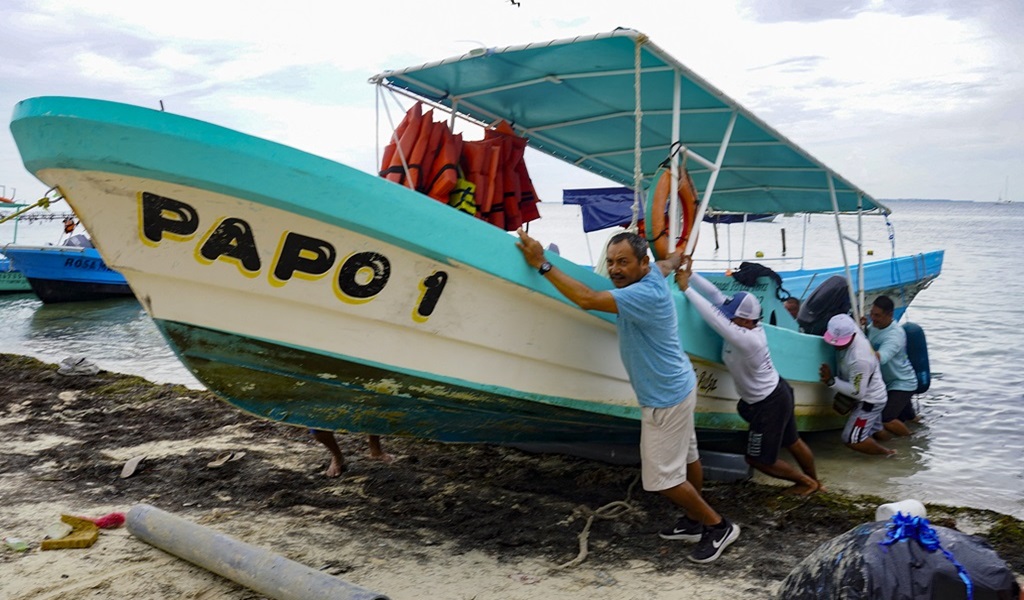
(969, 451)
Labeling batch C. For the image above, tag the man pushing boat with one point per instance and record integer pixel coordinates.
(661, 376)
(766, 398)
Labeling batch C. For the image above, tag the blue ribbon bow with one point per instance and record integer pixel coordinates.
(905, 527)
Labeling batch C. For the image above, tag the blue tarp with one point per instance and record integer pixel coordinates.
(604, 207)
(613, 206)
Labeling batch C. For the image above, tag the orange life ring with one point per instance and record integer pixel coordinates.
(656, 212)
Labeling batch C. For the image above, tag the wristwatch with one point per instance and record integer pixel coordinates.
(544, 268)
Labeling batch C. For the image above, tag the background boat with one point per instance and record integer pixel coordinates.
(67, 273)
(899, 277)
(12, 281)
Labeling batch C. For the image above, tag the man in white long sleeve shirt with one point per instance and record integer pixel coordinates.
(766, 399)
(859, 377)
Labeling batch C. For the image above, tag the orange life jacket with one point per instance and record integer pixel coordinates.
(407, 132)
(444, 173)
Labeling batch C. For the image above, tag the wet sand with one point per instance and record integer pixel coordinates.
(440, 521)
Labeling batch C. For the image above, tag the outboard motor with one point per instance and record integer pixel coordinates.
(831, 298)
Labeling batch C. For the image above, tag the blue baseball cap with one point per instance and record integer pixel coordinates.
(743, 305)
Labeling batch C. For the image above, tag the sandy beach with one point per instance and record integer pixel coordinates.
(440, 521)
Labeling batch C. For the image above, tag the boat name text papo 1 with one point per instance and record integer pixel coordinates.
(359, 278)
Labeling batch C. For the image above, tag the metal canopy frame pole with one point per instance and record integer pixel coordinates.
(710, 188)
(743, 236)
(806, 218)
(673, 193)
(842, 246)
(860, 256)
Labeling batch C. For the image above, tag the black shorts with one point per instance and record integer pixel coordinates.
(772, 424)
(895, 403)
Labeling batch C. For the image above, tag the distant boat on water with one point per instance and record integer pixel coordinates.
(73, 272)
(12, 281)
(1004, 197)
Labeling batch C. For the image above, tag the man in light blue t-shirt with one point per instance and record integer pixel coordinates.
(661, 375)
(890, 344)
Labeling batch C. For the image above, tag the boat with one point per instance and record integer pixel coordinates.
(12, 281)
(71, 272)
(1004, 195)
(899, 277)
(315, 294)
(731, 218)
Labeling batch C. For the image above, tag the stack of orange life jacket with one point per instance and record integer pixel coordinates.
(439, 160)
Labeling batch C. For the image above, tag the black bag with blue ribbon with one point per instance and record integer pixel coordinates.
(904, 558)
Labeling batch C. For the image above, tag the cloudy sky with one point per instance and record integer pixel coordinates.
(907, 99)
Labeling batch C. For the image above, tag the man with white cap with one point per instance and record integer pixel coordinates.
(766, 399)
(859, 377)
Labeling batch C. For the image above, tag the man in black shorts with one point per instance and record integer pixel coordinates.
(766, 398)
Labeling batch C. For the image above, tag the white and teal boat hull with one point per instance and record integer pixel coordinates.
(311, 293)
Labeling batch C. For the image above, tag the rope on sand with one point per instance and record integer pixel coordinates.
(612, 510)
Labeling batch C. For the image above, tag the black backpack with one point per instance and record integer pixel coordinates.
(750, 272)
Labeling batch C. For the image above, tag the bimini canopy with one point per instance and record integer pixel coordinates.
(575, 99)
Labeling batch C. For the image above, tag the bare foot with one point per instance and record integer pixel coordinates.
(336, 469)
(383, 457)
(802, 489)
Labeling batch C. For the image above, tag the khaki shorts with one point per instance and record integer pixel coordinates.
(667, 444)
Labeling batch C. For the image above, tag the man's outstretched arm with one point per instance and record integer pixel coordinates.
(576, 291)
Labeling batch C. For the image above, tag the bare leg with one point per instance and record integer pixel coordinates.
(695, 475)
(805, 458)
(896, 427)
(870, 446)
(686, 497)
(376, 451)
(780, 469)
(326, 438)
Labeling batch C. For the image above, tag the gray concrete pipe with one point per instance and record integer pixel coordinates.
(256, 568)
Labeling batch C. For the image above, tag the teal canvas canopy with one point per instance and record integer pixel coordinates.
(576, 99)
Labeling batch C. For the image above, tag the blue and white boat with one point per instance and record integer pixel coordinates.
(309, 292)
(12, 281)
(73, 272)
(899, 277)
